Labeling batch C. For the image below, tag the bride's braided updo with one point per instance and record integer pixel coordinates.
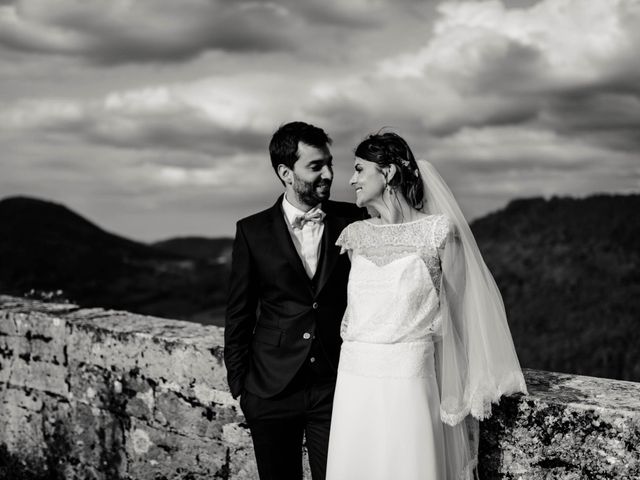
(389, 148)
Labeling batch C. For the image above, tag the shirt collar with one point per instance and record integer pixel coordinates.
(291, 212)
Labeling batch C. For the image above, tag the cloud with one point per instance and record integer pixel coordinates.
(565, 66)
(521, 148)
(217, 116)
(484, 66)
(510, 102)
(505, 101)
(605, 118)
(121, 31)
(124, 31)
(574, 41)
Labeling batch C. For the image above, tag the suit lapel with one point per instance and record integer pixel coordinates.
(282, 237)
(329, 253)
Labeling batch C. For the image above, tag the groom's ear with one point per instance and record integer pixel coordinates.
(284, 173)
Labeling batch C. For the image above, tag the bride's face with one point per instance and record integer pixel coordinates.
(368, 181)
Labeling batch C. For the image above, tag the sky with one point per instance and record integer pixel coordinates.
(152, 118)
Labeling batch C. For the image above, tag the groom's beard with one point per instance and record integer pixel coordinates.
(311, 193)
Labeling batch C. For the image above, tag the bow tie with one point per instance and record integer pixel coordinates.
(312, 216)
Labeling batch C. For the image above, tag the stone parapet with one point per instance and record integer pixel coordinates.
(569, 427)
(89, 393)
(96, 394)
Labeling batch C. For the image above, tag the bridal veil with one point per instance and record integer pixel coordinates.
(476, 362)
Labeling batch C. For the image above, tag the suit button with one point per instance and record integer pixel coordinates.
(315, 305)
(312, 359)
(306, 336)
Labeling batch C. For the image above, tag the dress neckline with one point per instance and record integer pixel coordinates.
(397, 224)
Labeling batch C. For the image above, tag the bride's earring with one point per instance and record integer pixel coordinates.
(390, 189)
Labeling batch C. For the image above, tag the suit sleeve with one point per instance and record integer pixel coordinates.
(240, 320)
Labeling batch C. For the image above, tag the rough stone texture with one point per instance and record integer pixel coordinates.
(568, 427)
(89, 393)
(95, 394)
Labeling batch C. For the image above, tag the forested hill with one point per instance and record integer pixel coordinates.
(568, 269)
(569, 272)
(49, 251)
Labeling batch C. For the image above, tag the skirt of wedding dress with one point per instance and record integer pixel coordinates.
(385, 425)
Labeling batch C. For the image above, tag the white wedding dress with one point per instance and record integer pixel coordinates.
(386, 420)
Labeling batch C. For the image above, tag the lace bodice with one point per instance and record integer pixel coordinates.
(393, 291)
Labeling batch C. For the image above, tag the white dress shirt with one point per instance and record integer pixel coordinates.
(306, 239)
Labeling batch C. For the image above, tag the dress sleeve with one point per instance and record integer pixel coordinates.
(441, 231)
(346, 240)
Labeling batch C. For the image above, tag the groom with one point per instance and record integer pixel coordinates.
(287, 295)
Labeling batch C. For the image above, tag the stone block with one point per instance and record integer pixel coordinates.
(97, 387)
(8, 325)
(140, 396)
(242, 465)
(187, 417)
(7, 356)
(34, 428)
(37, 349)
(21, 422)
(171, 361)
(43, 376)
(123, 393)
(158, 453)
(568, 427)
(33, 324)
(236, 434)
(26, 399)
(97, 442)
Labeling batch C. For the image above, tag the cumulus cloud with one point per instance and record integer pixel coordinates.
(575, 42)
(562, 65)
(217, 116)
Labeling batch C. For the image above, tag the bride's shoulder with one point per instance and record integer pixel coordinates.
(434, 229)
(350, 235)
(358, 225)
(437, 221)
(441, 228)
(441, 219)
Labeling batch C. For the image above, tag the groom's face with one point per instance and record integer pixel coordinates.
(312, 174)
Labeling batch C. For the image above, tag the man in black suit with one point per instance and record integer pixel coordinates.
(287, 296)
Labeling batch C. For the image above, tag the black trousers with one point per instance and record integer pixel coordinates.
(278, 424)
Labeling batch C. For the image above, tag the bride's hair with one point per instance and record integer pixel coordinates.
(389, 148)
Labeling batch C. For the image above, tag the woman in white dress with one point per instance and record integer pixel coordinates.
(426, 345)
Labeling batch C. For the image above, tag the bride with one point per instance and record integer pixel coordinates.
(426, 345)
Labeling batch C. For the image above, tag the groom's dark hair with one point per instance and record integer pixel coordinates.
(283, 147)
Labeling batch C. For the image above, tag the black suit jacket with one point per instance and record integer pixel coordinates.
(274, 311)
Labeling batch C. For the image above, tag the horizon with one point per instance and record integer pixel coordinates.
(153, 119)
(231, 235)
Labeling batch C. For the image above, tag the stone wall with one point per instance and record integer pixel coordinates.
(88, 393)
(95, 394)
